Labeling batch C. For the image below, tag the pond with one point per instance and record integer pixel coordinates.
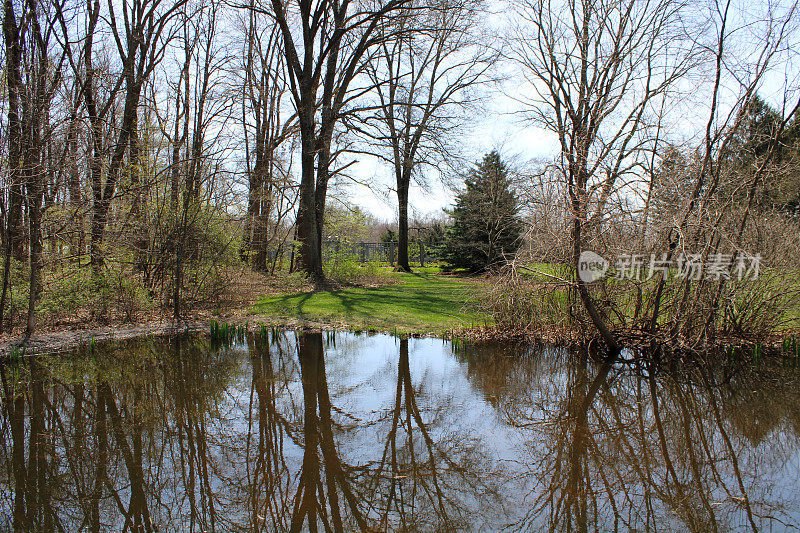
(340, 431)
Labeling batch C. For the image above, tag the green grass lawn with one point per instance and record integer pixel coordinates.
(422, 302)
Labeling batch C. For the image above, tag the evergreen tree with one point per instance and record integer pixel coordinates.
(486, 228)
(758, 133)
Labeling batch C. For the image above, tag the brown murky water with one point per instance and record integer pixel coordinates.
(346, 432)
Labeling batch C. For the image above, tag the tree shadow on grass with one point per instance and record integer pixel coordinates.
(420, 301)
(284, 304)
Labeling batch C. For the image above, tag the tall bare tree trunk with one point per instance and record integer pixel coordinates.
(310, 258)
(74, 188)
(141, 238)
(402, 225)
(13, 231)
(34, 189)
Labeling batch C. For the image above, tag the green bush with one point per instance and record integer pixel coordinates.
(18, 291)
(128, 294)
(65, 292)
(209, 248)
(71, 288)
(345, 267)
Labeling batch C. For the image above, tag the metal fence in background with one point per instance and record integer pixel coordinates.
(382, 252)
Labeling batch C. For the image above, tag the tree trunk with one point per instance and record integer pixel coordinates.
(321, 192)
(578, 208)
(99, 221)
(75, 195)
(402, 223)
(103, 193)
(310, 258)
(15, 87)
(255, 240)
(262, 225)
(13, 234)
(253, 208)
(141, 238)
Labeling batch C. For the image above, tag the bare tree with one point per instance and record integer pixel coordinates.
(322, 61)
(425, 80)
(13, 38)
(594, 67)
(141, 39)
(723, 124)
(34, 77)
(263, 90)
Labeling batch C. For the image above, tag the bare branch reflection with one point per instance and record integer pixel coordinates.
(641, 447)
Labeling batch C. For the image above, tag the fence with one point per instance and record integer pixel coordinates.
(382, 252)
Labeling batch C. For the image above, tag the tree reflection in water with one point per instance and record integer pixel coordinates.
(429, 472)
(614, 446)
(385, 434)
(312, 493)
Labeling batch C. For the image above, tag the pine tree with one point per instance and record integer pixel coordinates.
(486, 229)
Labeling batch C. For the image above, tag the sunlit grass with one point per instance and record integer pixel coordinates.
(422, 302)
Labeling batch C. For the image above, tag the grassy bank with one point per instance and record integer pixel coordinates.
(423, 302)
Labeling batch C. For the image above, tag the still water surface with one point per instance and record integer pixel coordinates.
(323, 431)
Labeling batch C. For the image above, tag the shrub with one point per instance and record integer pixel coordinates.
(127, 294)
(209, 250)
(760, 307)
(344, 266)
(18, 290)
(67, 291)
(520, 302)
(72, 292)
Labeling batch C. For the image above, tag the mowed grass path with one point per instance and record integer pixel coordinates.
(424, 302)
